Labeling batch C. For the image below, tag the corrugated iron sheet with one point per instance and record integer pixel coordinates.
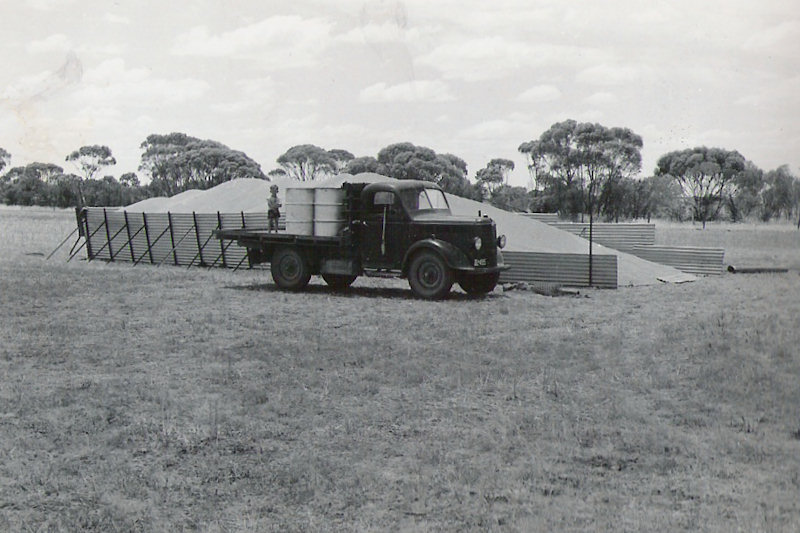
(621, 237)
(547, 218)
(571, 270)
(690, 259)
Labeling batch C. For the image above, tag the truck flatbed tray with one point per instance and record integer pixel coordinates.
(264, 235)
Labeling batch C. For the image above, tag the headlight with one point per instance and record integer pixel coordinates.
(501, 241)
(477, 242)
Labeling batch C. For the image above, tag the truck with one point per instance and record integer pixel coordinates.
(388, 229)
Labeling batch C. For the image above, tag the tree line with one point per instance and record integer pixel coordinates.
(578, 170)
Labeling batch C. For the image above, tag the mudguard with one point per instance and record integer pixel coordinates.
(453, 257)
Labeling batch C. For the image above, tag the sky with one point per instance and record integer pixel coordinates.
(471, 78)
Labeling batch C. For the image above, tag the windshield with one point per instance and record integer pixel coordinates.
(425, 199)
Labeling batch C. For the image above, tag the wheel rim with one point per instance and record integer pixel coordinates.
(430, 275)
(290, 268)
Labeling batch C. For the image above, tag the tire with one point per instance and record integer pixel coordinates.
(429, 276)
(290, 269)
(339, 282)
(478, 284)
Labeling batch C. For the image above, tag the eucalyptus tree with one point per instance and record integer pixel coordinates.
(706, 176)
(176, 162)
(91, 159)
(5, 157)
(308, 162)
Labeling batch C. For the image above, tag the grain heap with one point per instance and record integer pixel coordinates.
(524, 234)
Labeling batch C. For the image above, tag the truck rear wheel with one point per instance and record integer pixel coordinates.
(339, 281)
(478, 283)
(290, 269)
(429, 276)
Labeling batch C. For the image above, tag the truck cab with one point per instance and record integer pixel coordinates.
(406, 228)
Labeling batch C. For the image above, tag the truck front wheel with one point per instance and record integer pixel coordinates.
(429, 276)
(478, 283)
(290, 269)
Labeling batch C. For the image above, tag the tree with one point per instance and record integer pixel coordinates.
(554, 168)
(276, 173)
(65, 191)
(746, 194)
(571, 163)
(5, 158)
(365, 164)
(307, 162)
(495, 174)
(90, 159)
(706, 175)
(129, 179)
(340, 158)
(177, 162)
(780, 194)
(28, 185)
(407, 161)
(510, 198)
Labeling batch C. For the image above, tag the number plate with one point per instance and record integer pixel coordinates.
(480, 262)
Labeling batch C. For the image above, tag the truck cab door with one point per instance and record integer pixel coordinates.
(382, 236)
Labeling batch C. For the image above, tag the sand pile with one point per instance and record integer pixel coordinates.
(523, 234)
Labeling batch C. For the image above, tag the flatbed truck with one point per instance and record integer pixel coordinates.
(390, 229)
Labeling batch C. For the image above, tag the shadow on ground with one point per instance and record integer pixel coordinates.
(357, 292)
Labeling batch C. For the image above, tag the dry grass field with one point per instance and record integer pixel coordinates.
(172, 399)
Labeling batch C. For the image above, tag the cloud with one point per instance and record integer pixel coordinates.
(58, 42)
(606, 74)
(490, 129)
(372, 33)
(413, 91)
(112, 82)
(116, 19)
(600, 99)
(487, 58)
(281, 41)
(48, 5)
(786, 35)
(540, 93)
(250, 94)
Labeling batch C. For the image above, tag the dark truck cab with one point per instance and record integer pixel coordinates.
(398, 228)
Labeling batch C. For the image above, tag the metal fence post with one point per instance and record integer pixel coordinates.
(197, 236)
(147, 237)
(130, 238)
(108, 235)
(172, 238)
(222, 248)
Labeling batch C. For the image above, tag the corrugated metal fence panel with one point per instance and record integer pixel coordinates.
(183, 231)
(97, 238)
(547, 218)
(618, 236)
(234, 254)
(181, 238)
(689, 259)
(565, 269)
(138, 235)
(158, 230)
(119, 236)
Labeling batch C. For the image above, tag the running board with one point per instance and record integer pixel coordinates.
(383, 273)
